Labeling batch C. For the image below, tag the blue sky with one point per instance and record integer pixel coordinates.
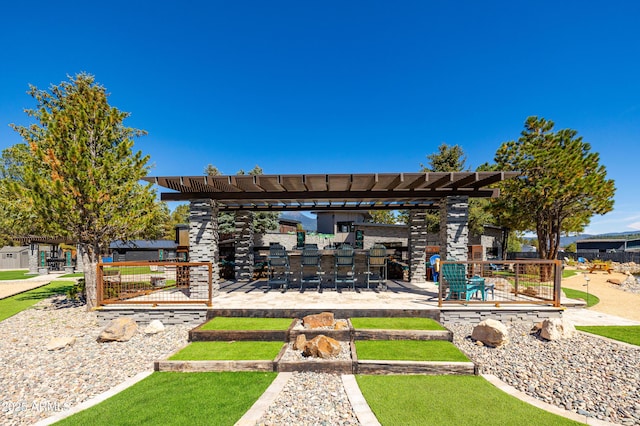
(334, 86)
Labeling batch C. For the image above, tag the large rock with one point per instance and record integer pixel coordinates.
(491, 333)
(301, 341)
(324, 319)
(341, 325)
(60, 342)
(321, 347)
(118, 330)
(154, 327)
(557, 328)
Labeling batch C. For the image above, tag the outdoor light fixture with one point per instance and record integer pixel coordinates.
(586, 278)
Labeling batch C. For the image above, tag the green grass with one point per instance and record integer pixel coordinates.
(14, 275)
(409, 350)
(19, 302)
(179, 399)
(590, 298)
(75, 275)
(448, 400)
(397, 323)
(624, 333)
(226, 351)
(242, 323)
(566, 273)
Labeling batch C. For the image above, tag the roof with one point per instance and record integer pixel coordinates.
(13, 249)
(603, 240)
(372, 191)
(143, 245)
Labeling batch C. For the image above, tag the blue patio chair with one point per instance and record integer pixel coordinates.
(344, 270)
(310, 268)
(456, 277)
(279, 268)
(377, 266)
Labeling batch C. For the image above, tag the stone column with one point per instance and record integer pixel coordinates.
(244, 246)
(79, 263)
(203, 247)
(417, 246)
(454, 228)
(34, 258)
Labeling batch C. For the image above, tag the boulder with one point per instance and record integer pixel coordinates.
(324, 319)
(300, 342)
(614, 281)
(321, 347)
(557, 328)
(341, 325)
(60, 342)
(491, 333)
(118, 330)
(154, 327)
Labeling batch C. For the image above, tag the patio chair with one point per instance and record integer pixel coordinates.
(279, 267)
(377, 266)
(456, 277)
(344, 270)
(310, 268)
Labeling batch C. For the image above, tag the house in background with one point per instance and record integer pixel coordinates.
(14, 257)
(608, 245)
(143, 250)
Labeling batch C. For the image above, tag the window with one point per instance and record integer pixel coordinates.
(9, 255)
(345, 227)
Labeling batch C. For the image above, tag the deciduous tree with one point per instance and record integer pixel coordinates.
(81, 177)
(562, 184)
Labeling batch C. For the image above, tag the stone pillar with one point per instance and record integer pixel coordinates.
(34, 258)
(244, 246)
(454, 228)
(203, 247)
(79, 263)
(417, 246)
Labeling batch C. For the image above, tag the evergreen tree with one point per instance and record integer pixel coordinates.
(81, 177)
(562, 184)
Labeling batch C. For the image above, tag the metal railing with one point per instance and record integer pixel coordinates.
(504, 282)
(154, 283)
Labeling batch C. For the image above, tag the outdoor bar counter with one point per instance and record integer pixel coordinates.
(328, 266)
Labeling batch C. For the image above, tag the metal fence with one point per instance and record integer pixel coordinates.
(154, 283)
(501, 282)
(590, 255)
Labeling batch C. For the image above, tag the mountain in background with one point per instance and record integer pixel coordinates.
(565, 241)
(308, 222)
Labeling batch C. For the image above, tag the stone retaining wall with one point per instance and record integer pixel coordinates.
(506, 315)
(144, 315)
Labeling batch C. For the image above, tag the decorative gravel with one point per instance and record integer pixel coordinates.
(311, 399)
(36, 383)
(588, 375)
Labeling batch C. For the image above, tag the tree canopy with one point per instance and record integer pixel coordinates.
(562, 184)
(81, 177)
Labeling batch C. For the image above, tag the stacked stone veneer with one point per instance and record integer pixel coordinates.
(244, 246)
(203, 247)
(144, 315)
(34, 259)
(454, 228)
(506, 315)
(417, 246)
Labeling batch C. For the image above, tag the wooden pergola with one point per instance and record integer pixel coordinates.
(371, 191)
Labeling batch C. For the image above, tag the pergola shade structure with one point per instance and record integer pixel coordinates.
(374, 191)
(416, 192)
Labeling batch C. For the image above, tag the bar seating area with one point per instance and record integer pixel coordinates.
(343, 267)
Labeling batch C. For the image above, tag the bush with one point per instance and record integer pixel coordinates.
(77, 292)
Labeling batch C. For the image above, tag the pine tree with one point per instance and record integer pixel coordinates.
(82, 177)
(562, 184)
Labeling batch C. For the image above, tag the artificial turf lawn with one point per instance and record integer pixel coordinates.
(448, 400)
(397, 323)
(624, 333)
(14, 275)
(19, 302)
(242, 323)
(409, 350)
(227, 351)
(169, 398)
(590, 298)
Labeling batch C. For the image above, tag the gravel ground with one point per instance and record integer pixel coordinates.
(311, 399)
(588, 375)
(36, 383)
